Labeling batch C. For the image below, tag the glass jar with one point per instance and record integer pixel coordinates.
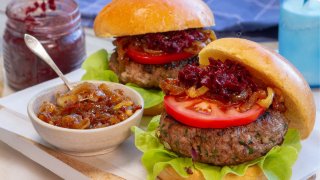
(299, 37)
(57, 25)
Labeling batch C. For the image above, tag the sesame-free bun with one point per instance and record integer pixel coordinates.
(275, 71)
(133, 17)
(252, 173)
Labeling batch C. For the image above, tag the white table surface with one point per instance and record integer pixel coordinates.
(13, 165)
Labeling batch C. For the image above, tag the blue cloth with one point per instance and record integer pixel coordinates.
(234, 16)
(89, 9)
(244, 15)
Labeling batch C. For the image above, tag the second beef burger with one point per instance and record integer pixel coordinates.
(154, 39)
(230, 113)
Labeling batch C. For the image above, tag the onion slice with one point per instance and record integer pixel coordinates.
(268, 100)
(193, 92)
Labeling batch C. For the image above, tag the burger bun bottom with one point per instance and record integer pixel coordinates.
(252, 173)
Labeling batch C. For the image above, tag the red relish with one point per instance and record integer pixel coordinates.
(57, 25)
(172, 42)
(224, 79)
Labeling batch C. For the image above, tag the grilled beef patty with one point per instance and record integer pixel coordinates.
(146, 75)
(229, 146)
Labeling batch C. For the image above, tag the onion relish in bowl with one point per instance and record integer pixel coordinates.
(88, 106)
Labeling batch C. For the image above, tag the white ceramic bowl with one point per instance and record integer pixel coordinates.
(89, 141)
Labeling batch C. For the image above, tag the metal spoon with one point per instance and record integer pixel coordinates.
(35, 46)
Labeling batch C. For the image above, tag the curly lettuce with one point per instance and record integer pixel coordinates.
(97, 68)
(276, 164)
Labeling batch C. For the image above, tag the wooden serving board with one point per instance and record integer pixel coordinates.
(84, 168)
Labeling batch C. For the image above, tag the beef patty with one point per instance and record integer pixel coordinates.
(146, 75)
(229, 146)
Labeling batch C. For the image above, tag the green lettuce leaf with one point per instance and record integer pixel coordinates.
(97, 61)
(102, 75)
(97, 68)
(276, 164)
(151, 97)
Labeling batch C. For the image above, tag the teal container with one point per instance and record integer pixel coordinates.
(299, 37)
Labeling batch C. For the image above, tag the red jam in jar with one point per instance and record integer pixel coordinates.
(57, 24)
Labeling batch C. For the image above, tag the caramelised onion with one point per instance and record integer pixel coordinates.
(120, 43)
(193, 92)
(212, 35)
(260, 94)
(81, 92)
(242, 96)
(278, 101)
(73, 121)
(170, 86)
(266, 102)
(195, 48)
(123, 104)
(150, 51)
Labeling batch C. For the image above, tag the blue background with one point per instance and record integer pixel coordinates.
(255, 19)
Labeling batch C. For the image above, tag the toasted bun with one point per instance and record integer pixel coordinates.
(252, 173)
(155, 110)
(275, 71)
(132, 17)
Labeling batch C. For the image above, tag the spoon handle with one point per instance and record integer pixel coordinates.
(35, 46)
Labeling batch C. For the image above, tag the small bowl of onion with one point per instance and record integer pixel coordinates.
(93, 118)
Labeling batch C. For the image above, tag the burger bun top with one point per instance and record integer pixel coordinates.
(133, 17)
(275, 71)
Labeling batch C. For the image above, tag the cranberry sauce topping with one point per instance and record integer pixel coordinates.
(170, 42)
(225, 80)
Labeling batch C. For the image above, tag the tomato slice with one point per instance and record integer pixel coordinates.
(145, 58)
(204, 114)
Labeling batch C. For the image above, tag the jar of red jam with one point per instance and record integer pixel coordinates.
(57, 24)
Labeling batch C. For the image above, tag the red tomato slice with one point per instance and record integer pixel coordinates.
(145, 58)
(204, 114)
